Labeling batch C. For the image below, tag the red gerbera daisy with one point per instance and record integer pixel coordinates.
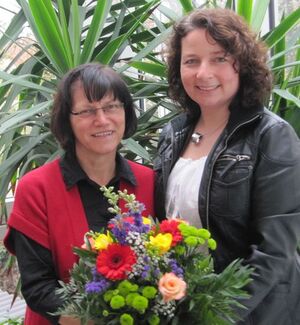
(171, 226)
(116, 261)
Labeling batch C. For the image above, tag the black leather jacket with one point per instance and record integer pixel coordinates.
(249, 199)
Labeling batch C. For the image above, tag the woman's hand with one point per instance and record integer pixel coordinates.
(68, 320)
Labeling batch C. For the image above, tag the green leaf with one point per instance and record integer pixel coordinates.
(259, 13)
(18, 155)
(136, 148)
(99, 18)
(76, 22)
(187, 5)
(287, 95)
(152, 68)
(281, 30)
(21, 81)
(50, 31)
(105, 55)
(65, 32)
(14, 120)
(244, 8)
(13, 29)
(150, 47)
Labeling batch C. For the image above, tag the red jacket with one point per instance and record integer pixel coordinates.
(45, 211)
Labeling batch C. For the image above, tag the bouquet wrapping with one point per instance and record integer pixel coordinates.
(140, 271)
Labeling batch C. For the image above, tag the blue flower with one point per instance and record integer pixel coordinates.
(120, 235)
(96, 286)
(176, 269)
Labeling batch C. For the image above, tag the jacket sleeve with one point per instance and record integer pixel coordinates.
(159, 188)
(275, 213)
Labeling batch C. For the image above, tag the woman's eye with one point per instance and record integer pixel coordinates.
(109, 107)
(221, 59)
(190, 61)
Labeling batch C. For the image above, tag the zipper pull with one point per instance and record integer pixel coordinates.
(242, 157)
(234, 160)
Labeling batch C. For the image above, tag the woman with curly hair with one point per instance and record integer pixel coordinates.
(229, 164)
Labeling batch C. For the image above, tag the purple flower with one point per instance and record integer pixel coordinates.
(120, 234)
(176, 269)
(157, 272)
(96, 286)
(144, 274)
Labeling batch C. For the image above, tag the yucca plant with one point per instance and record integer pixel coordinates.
(67, 33)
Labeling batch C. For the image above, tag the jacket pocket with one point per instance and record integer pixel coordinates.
(230, 187)
(274, 309)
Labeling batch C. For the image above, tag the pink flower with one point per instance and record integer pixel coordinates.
(171, 287)
(89, 243)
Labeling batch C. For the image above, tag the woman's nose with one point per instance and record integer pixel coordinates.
(100, 116)
(203, 70)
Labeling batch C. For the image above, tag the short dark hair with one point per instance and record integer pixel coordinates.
(97, 81)
(231, 32)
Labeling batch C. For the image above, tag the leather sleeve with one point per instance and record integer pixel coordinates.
(275, 211)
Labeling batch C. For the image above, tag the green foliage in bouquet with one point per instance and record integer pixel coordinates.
(140, 271)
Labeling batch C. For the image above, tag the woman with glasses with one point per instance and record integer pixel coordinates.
(56, 204)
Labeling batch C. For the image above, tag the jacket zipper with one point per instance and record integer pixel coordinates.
(234, 157)
(233, 160)
(213, 164)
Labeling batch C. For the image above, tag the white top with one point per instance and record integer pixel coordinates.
(183, 190)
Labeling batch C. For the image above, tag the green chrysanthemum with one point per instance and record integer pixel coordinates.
(130, 297)
(140, 303)
(212, 244)
(108, 295)
(126, 319)
(149, 292)
(191, 241)
(153, 320)
(117, 302)
(204, 233)
(125, 287)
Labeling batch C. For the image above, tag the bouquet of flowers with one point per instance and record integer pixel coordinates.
(139, 271)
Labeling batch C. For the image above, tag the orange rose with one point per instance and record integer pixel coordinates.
(171, 287)
(91, 244)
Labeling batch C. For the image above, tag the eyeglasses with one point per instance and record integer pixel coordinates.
(108, 110)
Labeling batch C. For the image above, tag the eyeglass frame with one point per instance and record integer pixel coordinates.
(106, 109)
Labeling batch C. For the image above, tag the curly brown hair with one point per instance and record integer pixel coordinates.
(232, 33)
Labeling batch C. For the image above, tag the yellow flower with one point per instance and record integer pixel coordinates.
(146, 221)
(102, 241)
(162, 242)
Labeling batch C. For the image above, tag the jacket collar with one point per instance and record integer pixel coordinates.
(183, 124)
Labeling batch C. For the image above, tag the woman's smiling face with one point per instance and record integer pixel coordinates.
(101, 133)
(207, 72)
